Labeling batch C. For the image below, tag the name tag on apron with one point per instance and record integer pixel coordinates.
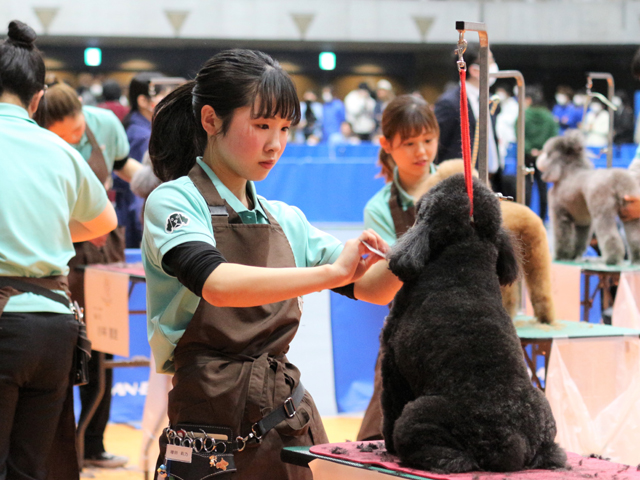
(179, 454)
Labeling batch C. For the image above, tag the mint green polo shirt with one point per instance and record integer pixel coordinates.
(44, 184)
(377, 214)
(176, 213)
(109, 133)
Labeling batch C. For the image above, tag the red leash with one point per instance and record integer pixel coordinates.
(464, 123)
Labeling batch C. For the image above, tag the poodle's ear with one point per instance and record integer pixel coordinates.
(410, 253)
(507, 266)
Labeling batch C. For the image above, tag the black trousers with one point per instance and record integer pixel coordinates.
(94, 434)
(36, 353)
(541, 185)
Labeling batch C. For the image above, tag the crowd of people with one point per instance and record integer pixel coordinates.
(221, 262)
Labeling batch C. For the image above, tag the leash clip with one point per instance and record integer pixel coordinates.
(500, 196)
(247, 439)
(77, 311)
(462, 47)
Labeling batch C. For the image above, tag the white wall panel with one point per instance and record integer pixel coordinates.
(571, 22)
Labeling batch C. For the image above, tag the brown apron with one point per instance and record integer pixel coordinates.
(371, 427)
(63, 460)
(231, 368)
(402, 219)
(56, 282)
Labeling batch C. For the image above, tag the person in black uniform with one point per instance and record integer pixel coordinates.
(447, 109)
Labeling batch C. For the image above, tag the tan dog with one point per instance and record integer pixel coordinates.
(528, 229)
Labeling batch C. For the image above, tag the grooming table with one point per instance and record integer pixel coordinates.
(540, 337)
(350, 462)
(607, 276)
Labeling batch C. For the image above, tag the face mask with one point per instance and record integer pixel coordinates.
(96, 89)
(502, 95)
(515, 91)
(493, 68)
(326, 97)
(617, 101)
(578, 99)
(561, 99)
(596, 107)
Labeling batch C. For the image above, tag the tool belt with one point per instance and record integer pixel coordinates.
(44, 286)
(204, 450)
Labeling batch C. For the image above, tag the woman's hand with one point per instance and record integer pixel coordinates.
(631, 208)
(352, 264)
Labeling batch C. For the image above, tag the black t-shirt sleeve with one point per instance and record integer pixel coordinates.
(119, 164)
(192, 263)
(346, 290)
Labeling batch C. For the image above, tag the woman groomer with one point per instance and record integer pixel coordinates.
(50, 198)
(99, 137)
(226, 269)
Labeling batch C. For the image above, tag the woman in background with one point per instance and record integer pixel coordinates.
(50, 199)
(99, 137)
(408, 147)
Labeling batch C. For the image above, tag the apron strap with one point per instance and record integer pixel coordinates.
(11, 286)
(286, 410)
(402, 219)
(221, 212)
(96, 160)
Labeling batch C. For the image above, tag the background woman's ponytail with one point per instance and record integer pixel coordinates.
(22, 68)
(140, 85)
(176, 138)
(386, 165)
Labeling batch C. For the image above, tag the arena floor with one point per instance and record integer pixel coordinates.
(122, 439)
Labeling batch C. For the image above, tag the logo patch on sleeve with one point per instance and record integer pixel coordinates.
(175, 221)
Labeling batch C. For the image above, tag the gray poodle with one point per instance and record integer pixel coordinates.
(456, 393)
(582, 196)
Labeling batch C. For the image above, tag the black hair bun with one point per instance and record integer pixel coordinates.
(21, 33)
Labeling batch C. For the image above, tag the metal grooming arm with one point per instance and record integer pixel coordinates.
(522, 170)
(610, 106)
(483, 57)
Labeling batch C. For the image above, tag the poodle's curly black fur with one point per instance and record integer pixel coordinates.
(456, 393)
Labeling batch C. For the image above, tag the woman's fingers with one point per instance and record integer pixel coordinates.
(381, 244)
(374, 240)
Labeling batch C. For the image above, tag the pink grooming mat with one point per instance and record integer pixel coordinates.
(581, 467)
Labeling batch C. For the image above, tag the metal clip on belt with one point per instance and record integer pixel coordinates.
(284, 411)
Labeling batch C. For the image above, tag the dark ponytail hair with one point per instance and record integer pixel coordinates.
(407, 116)
(229, 80)
(141, 85)
(22, 68)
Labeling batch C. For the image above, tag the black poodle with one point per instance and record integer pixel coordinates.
(456, 393)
